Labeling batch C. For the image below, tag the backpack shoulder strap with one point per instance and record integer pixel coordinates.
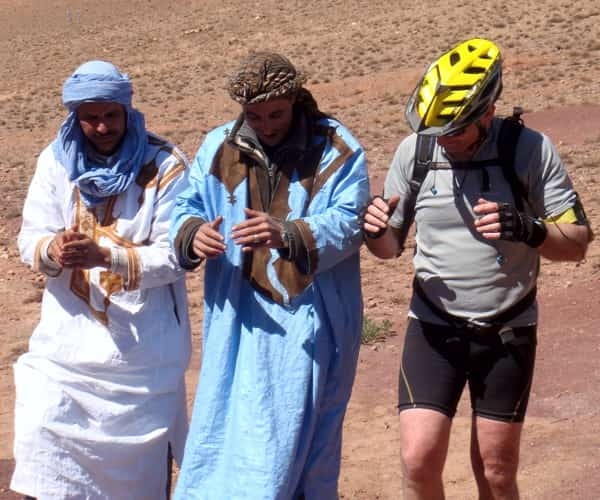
(508, 139)
(423, 157)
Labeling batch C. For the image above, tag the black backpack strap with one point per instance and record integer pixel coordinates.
(508, 139)
(423, 157)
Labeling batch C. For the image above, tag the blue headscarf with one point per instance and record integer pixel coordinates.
(99, 81)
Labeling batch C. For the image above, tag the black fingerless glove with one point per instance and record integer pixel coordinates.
(518, 226)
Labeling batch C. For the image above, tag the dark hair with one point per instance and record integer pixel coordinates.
(306, 103)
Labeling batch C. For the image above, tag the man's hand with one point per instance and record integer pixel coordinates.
(377, 215)
(505, 222)
(258, 230)
(208, 242)
(72, 249)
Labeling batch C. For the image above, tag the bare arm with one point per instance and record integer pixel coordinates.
(565, 242)
(562, 241)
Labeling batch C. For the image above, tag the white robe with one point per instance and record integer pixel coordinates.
(100, 393)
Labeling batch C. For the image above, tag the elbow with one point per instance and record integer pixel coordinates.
(574, 253)
(581, 243)
(580, 253)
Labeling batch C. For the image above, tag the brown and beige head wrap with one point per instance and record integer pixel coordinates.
(263, 76)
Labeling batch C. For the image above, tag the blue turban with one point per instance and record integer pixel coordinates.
(99, 81)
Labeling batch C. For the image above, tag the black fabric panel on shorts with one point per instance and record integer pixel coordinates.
(439, 360)
(501, 374)
(433, 370)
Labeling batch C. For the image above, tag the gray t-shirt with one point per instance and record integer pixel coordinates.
(460, 271)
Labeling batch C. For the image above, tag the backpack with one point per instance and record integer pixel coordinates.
(508, 139)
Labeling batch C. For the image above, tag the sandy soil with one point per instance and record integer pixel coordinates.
(363, 58)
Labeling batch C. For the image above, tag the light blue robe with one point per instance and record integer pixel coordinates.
(276, 377)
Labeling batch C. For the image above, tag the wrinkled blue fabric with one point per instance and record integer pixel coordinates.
(99, 81)
(275, 380)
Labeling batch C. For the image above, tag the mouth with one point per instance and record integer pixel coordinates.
(270, 137)
(105, 143)
(105, 138)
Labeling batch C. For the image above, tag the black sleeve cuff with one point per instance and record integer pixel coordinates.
(184, 249)
(296, 251)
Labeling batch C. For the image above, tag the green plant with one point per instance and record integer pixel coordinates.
(373, 331)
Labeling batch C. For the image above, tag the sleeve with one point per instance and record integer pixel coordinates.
(43, 216)
(189, 211)
(334, 234)
(155, 264)
(550, 191)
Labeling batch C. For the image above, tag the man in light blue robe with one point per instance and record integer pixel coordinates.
(273, 207)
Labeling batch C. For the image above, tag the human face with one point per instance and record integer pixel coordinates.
(270, 120)
(463, 144)
(104, 124)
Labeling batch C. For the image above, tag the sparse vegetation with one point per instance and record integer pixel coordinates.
(374, 331)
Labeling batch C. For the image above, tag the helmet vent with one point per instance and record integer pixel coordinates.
(474, 70)
(454, 58)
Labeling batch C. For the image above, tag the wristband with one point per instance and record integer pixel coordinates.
(538, 233)
(518, 226)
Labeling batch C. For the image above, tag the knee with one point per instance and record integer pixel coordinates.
(422, 465)
(501, 474)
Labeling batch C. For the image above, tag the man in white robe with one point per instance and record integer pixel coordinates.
(100, 400)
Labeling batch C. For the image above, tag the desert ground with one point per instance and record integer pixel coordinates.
(363, 59)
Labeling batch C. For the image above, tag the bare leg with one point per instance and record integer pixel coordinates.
(495, 458)
(424, 437)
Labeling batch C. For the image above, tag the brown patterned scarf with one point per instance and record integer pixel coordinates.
(263, 76)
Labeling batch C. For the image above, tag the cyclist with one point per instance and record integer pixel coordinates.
(473, 313)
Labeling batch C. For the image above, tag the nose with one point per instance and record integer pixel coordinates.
(101, 128)
(444, 141)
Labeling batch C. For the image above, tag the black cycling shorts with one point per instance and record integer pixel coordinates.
(438, 361)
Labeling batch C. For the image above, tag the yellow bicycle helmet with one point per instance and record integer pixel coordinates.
(457, 89)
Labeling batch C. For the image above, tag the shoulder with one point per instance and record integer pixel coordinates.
(47, 155)
(529, 139)
(341, 131)
(163, 160)
(405, 152)
(164, 153)
(163, 163)
(216, 136)
(49, 162)
(408, 143)
(214, 139)
(535, 150)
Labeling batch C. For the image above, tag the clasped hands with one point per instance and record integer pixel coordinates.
(72, 249)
